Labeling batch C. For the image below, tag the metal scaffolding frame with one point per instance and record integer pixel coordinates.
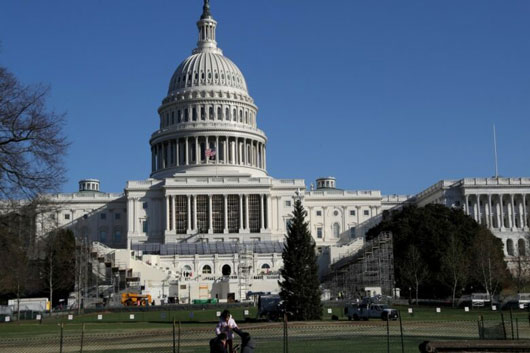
(371, 266)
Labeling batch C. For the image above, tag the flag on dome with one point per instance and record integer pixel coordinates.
(210, 152)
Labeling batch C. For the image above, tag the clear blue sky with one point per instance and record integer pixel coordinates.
(389, 95)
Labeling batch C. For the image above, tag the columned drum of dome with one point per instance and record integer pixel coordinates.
(208, 121)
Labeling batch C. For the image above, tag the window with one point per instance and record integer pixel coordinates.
(509, 247)
(366, 212)
(352, 212)
(186, 271)
(103, 216)
(206, 270)
(144, 205)
(102, 236)
(319, 213)
(287, 223)
(352, 232)
(145, 226)
(336, 230)
(521, 247)
(226, 270)
(288, 203)
(265, 268)
(67, 216)
(117, 236)
(319, 232)
(117, 216)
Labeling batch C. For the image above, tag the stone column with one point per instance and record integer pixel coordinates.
(269, 213)
(195, 213)
(210, 214)
(262, 213)
(246, 214)
(512, 206)
(177, 152)
(521, 213)
(466, 206)
(135, 214)
(174, 203)
(358, 214)
(264, 157)
(186, 150)
(502, 210)
(525, 212)
(197, 151)
(189, 215)
(240, 213)
(490, 212)
(498, 212)
(226, 214)
(130, 215)
(324, 227)
(167, 213)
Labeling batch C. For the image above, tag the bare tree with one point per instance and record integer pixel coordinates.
(488, 261)
(414, 269)
(520, 266)
(32, 144)
(455, 265)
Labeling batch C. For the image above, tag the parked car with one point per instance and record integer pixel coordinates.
(370, 311)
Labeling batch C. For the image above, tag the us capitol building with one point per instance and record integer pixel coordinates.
(209, 222)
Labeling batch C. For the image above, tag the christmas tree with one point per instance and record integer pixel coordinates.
(300, 285)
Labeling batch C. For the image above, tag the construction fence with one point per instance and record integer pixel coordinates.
(269, 337)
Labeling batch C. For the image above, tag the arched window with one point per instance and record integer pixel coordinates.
(509, 247)
(211, 117)
(206, 270)
(234, 115)
(227, 113)
(219, 113)
(186, 271)
(336, 230)
(226, 270)
(521, 247)
(265, 268)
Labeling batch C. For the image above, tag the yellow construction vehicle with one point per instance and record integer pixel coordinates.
(134, 299)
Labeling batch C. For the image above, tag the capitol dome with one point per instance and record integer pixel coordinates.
(206, 69)
(208, 121)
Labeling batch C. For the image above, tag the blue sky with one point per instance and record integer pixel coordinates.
(389, 95)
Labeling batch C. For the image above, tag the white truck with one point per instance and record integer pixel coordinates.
(370, 311)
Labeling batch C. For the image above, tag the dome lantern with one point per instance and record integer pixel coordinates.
(207, 26)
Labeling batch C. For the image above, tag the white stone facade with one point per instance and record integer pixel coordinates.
(501, 204)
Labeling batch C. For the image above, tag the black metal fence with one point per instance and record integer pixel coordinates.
(287, 337)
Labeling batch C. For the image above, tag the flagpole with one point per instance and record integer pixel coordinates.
(495, 149)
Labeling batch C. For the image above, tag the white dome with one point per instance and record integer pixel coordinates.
(206, 69)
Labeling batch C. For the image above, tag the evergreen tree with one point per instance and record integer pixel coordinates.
(300, 285)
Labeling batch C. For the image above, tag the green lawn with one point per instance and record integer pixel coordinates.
(150, 331)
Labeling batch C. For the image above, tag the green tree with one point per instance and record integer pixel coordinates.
(443, 237)
(300, 287)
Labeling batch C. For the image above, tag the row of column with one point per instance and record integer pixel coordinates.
(499, 210)
(207, 112)
(192, 151)
(248, 213)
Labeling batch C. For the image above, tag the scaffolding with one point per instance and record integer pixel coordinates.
(372, 266)
(246, 258)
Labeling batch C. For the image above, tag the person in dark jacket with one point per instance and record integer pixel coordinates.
(218, 344)
(247, 344)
